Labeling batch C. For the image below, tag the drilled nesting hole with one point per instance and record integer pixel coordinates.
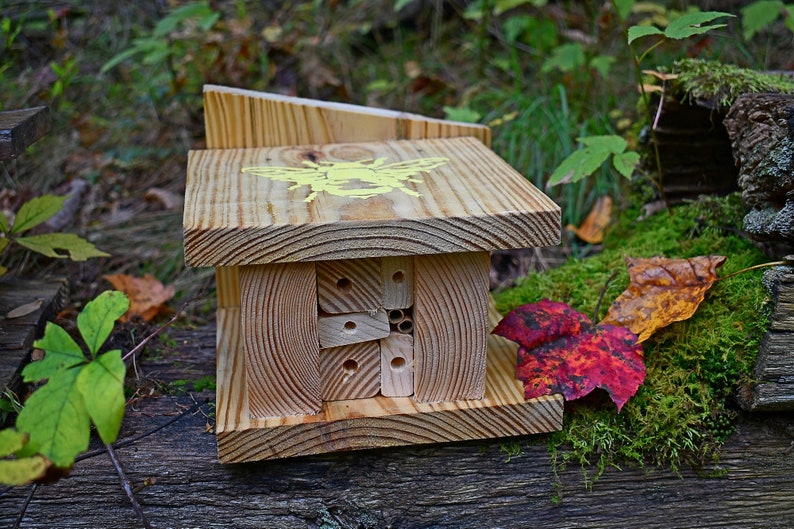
(398, 276)
(397, 363)
(344, 284)
(349, 327)
(350, 366)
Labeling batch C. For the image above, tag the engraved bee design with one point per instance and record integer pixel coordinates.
(359, 179)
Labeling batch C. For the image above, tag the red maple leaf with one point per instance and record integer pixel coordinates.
(562, 351)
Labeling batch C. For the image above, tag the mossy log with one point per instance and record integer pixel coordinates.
(774, 372)
(761, 128)
(179, 483)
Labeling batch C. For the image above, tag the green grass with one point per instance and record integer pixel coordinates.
(684, 410)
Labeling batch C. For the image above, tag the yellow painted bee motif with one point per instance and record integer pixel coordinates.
(361, 179)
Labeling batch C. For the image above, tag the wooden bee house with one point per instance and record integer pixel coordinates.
(351, 248)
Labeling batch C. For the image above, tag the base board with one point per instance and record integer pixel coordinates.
(373, 422)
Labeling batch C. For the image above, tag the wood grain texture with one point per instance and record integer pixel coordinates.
(397, 365)
(375, 422)
(179, 483)
(236, 118)
(350, 371)
(450, 326)
(349, 285)
(356, 327)
(476, 202)
(278, 322)
(398, 282)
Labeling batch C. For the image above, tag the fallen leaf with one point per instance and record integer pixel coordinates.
(594, 225)
(561, 351)
(24, 310)
(662, 291)
(147, 295)
(168, 200)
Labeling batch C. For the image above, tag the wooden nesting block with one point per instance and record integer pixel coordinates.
(450, 357)
(398, 281)
(397, 365)
(344, 329)
(350, 371)
(278, 312)
(349, 285)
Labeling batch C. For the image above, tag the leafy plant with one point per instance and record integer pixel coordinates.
(30, 215)
(758, 16)
(83, 386)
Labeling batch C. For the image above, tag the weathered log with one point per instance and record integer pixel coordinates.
(761, 128)
(774, 371)
(35, 301)
(180, 484)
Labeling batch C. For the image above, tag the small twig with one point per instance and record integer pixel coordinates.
(25, 504)
(601, 296)
(131, 440)
(164, 326)
(125, 484)
(755, 267)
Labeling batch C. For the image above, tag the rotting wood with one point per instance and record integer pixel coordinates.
(179, 483)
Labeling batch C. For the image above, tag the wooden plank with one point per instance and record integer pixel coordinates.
(350, 371)
(278, 321)
(398, 282)
(356, 327)
(474, 202)
(236, 118)
(179, 483)
(19, 129)
(349, 285)
(43, 299)
(376, 422)
(397, 365)
(449, 359)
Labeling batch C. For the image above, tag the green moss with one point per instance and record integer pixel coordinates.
(684, 410)
(723, 83)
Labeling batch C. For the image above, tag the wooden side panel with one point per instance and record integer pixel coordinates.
(350, 371)
(397, 365)
(279, 327)
(375, 422)
(356, 327)
(450, 326)
(236, 118)
(349, 285)
(398, 282)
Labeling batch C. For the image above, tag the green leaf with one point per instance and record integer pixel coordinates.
(602, 64)
(625, 162)
(637, 32)
(11, 441)
(623, 7)
(578, 164)
(565, 58)
(169, 23)
(789, 20)
(759, 15)
(3, 241)
(16, 472)
(36, 211)
(56, 419)
(399, 4)
(610, 142)
(102, 384)
(97, 318)
(78, 248)
(60, 352)
(3, 223)
(463, 114)
(691, 24)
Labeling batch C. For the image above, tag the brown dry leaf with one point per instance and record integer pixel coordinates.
(662, 291)
(24, 310)
(168, 200)
(592, 229)
(147, 295)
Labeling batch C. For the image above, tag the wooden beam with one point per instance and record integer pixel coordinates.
(350, 371)
(398, 282)
(450, 359)
(397, 365)
(344, 329)
(278, 316)
(349, 285)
